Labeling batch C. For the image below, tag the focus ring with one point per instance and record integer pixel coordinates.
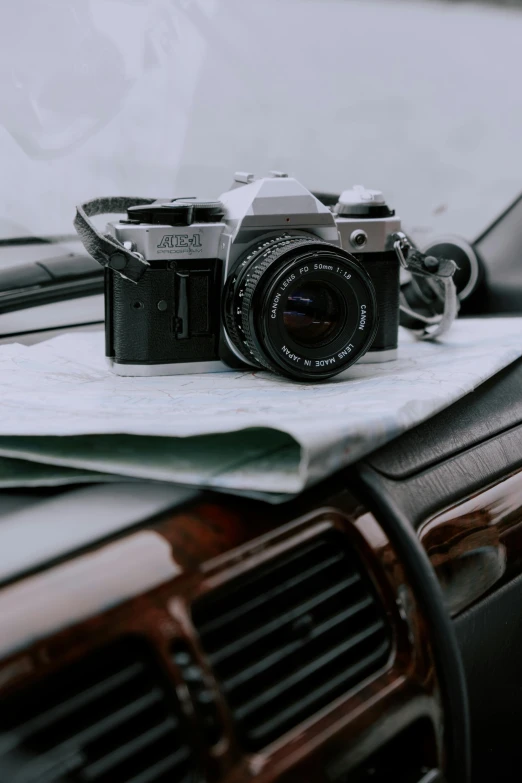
(251, 283)
(230, 321)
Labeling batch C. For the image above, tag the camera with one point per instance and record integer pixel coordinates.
(268, 276)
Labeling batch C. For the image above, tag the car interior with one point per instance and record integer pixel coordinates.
(363, 630)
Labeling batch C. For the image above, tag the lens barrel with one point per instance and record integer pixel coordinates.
(300, 307)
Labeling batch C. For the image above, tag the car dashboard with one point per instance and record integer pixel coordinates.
(224, 642)
(151, 634)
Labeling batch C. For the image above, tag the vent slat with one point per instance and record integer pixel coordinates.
(67, 707)
(239, 645)
(152, 774)
(292, 635)
(260, 666)
(304, 672)
(124, 752)
(112, 721)
(235, 614)
(264, 730)
(110, 718)
(269, 573)
(43, 770)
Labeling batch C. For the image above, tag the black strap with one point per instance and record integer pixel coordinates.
(104, 248)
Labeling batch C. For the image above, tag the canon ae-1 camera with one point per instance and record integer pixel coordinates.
(268, 276)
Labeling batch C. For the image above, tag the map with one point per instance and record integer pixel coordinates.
(64, 417)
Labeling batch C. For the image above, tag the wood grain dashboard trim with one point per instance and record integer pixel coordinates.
(476, 545)
(82, 587)
(211, 543)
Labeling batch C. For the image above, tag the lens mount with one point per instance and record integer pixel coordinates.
(300, 307)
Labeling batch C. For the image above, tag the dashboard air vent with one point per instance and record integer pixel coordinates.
(291, 635)
(107, 719)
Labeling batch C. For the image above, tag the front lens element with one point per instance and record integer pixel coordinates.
(314, 314)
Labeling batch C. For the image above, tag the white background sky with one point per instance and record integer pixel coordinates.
(170, 97)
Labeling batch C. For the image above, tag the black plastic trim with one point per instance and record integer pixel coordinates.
(24, 298)
(445, 647)
(50, 239)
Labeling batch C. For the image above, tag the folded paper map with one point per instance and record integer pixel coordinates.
(251, 431)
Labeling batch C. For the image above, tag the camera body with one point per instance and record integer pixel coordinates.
(266, 277)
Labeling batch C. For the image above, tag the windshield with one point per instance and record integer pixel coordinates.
(168, 98)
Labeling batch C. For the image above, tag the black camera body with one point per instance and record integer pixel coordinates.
(267, 277)
(169, 320)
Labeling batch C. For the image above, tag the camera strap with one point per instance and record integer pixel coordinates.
(104, 248)
(428, 300)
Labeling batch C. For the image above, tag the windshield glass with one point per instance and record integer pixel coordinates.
(169, 98)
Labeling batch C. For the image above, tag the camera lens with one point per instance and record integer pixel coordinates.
(314, 314)
(301, 307)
